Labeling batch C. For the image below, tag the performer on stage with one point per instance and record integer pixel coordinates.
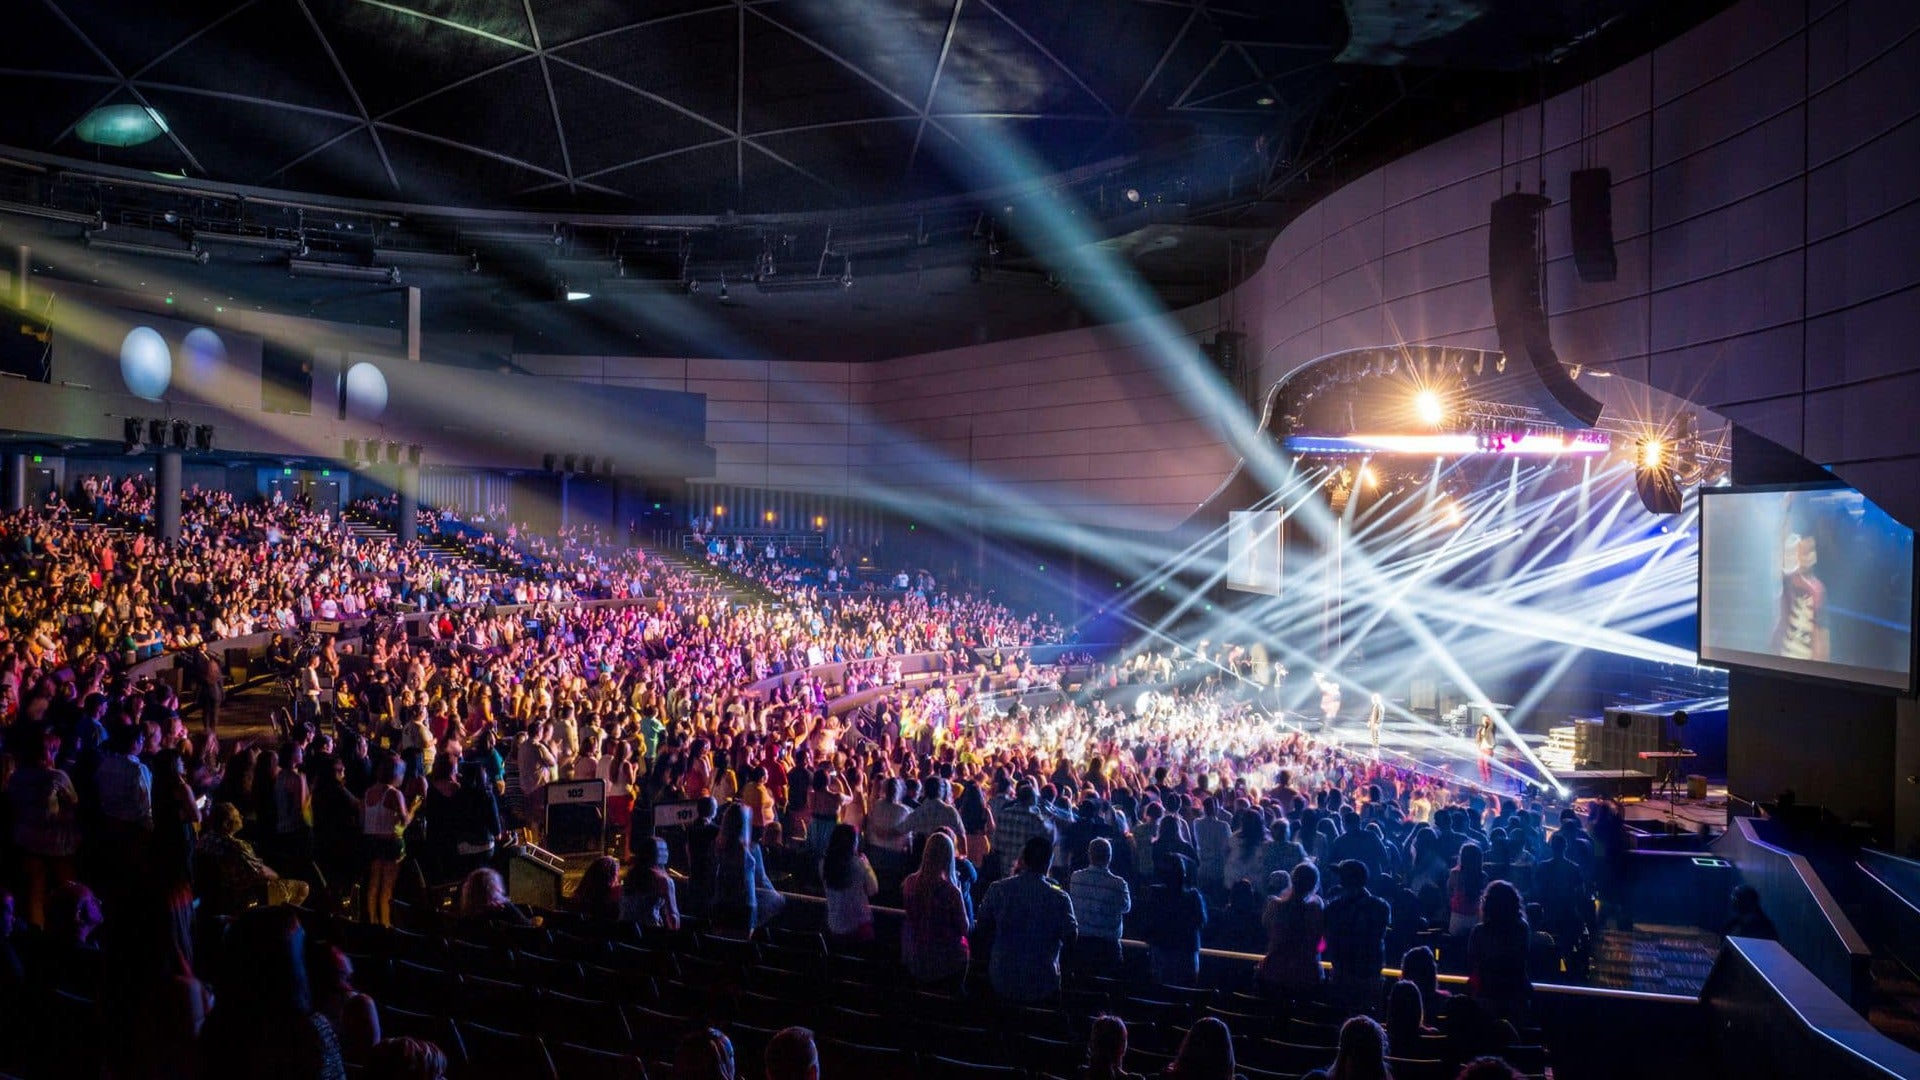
(1329, 697)
(1483, 741)
(1374, 716)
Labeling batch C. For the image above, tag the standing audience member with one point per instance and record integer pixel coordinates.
(1175, 915)
(384, 817)
(1101, 902)
(1356, 937)
(1497, 953)
(1032, 918)
(743, 897)
(1295, 922)
(850, 883)
(933, 935)
(648, 897)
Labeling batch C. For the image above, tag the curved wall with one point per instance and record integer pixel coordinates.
(1765, 216)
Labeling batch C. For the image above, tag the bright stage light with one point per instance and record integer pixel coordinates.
(1652, 453)
(577, 294)
(1429, 408)
(1523, 444)
(1369, 477)
(1450, 514)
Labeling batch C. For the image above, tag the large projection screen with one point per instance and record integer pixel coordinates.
(1254, 550)
(1816, 582)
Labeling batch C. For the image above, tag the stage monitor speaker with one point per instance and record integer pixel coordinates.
(1520, 319)
(577, 816)
(1590, 204)
(533, 877)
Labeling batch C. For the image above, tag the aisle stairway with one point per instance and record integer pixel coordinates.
(710, 578)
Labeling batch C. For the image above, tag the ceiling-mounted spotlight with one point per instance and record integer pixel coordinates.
(1133, 195)
(294, 245)
(191, 253)
(846, 273)
(386, 275)
(453, 262)
(1500, 364)
(91, 222)
(564, 291)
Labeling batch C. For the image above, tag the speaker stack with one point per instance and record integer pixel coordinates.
(1519, 314)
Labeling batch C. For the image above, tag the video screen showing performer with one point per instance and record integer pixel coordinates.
(1816, 582)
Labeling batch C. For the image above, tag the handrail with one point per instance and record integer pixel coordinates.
(1756, 985)
(1811, 924)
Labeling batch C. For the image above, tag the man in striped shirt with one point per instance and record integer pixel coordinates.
(1017, 824)
(1101, 901)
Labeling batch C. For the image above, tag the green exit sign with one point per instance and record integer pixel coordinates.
(37, 459)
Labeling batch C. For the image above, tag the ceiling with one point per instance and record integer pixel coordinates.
(909, 146)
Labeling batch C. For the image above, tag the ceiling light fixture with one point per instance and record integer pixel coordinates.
(387, 275)
(191, 253)
(456, 262)
(292, 244)
(120, 126)
(48, 213)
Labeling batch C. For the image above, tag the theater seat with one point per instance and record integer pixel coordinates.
(935, 1067)
(438, 1030)
(583, 1021)
(841, 1058)
(493, 1054)
(586, 1063)
(1418, 1069)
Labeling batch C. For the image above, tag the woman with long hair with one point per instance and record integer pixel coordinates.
(1465, 882)
(1206, 1053)
(648, 898)
(1175, 913)
(1295, 921)
(384, 817)
(1363, 1052)
(1247, 851)
(598, 894)
(850, 883)
(977, 818)
(743, 896)
(482, 901)
(1497, 951)
(1107, 1050)
(1406, 1019)
(933, 936)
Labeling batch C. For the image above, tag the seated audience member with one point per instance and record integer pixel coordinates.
(598, 895)
(1497, 952)
(1101, 902)
(1032, 918)
(263, 1022)
(1406, 1019)
(1107, 1050)
(1362, 1054)
(704, 1055)
(1295, 923)
(240, 877)
(1488, 1068)
(933, 935)
(483, 902)
(1748, 919)
(850, 884)
(1206, 1053)
(405, 1059)
(1418, 967)
(1356, 935)
(648, 896)
(355, 1019)
(792, 1055)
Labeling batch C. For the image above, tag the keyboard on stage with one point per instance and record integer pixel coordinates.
(1665, 755)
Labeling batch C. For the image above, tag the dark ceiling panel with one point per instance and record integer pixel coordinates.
(689, 61)
(698, 182)
(852, 158)
(36, 40)
(1111, 62)
(393, 59)
(992, 68)
(242, 139)
(897, 43)
(791, 83)
(506, 113)
(448, 174)
(252, 55)
(611, 125)
(564, 21)
(131, 35)
(352, 166)
(57, 103)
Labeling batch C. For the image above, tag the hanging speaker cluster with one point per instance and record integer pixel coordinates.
(1520, 317)
(577, 464)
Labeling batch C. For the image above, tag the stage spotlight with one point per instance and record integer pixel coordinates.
(1133, 195)
(1651, 453)
(1450, 514)
(1429, 408)
(1369, 477)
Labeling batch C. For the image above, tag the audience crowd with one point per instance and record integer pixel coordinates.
(983, 827)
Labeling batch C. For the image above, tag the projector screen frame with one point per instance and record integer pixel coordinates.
(1871, 680)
